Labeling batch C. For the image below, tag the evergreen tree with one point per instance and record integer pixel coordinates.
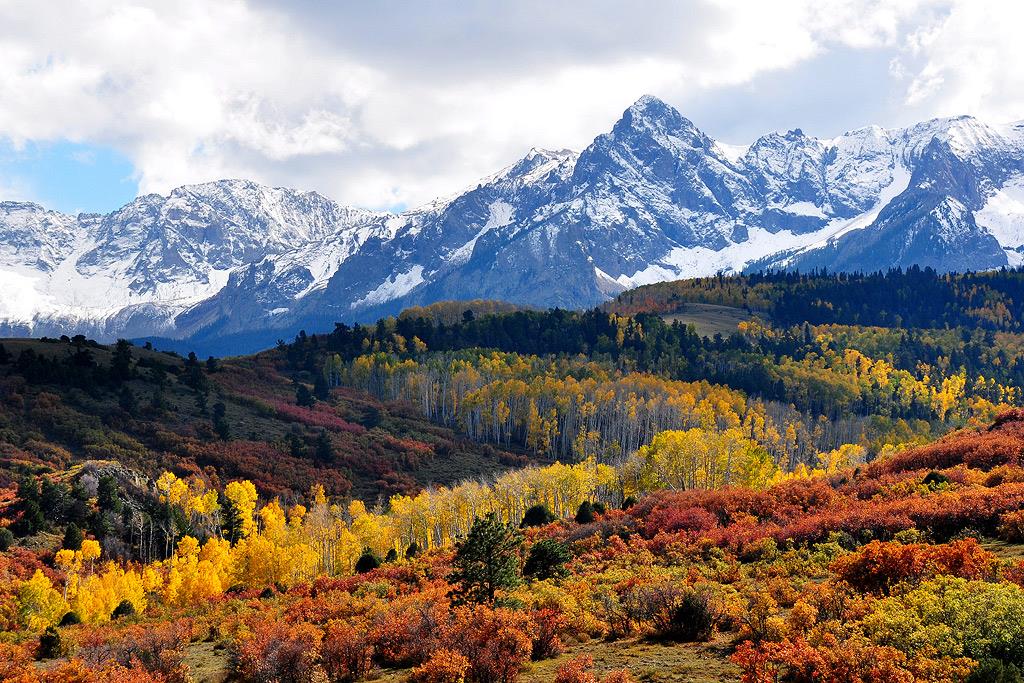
(220, 421)
(50, 644)
(585, 513)
(202, 405)
(367, 562)
(31, 521)
(127, 400)
(125, 608)
(487, 560)
(320, 389)
(157, 402)
(304, 397)
(323, 450)
(296, 444)
(53, 500)
(194, 376)
(537, 515)
(546, 560)
(121, 361)
(108, 494)
(72, 538)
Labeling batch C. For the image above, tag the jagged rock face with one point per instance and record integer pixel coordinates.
(653, 199)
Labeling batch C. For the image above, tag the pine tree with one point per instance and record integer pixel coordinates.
(121, 362)
(585, 513)
(546, 560)
(303, 397)
(194, 376)
(367, 562)
(320, 389)
(108, 496)
(487, 560)
(127, 401)
(157, 402)
(53, 500)
(323, 450)
(202, 405)
(220, 421)
(72, 538)
(537, 515)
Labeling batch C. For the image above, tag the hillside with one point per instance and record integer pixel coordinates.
(65, 402)
(735, 478)
(822, 578)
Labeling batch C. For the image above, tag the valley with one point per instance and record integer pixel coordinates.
(727, 478)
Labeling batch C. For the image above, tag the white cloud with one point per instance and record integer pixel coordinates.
(396, 102)
(968, 61)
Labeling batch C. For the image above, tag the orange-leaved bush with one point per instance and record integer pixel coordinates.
(444, 666)
(878, 566)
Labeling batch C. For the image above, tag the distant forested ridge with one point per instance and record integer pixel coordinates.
(803, 376)
(911, 298)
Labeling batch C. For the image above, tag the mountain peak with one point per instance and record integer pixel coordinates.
(651, 108)
(650, 114)
(652, 199)
(645, 102)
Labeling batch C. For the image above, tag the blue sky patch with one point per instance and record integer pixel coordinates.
(67, 176)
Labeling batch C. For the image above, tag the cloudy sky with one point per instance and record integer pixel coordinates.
(388, 104)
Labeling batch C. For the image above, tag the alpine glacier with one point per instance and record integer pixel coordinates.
(229, 266)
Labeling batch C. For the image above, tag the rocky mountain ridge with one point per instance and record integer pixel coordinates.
(234, 264)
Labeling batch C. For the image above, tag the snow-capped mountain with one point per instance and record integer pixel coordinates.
(653, 199)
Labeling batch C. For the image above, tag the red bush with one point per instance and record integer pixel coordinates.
(320, 415)
(877, 567)
(275, 652)
(497, 642)
(347, 653)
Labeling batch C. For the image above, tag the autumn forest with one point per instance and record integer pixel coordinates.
(826, 487)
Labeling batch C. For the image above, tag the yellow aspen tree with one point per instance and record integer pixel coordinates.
(39, 604)
(242, 496)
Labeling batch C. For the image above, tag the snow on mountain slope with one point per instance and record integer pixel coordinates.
(158, 256)
(654, 198)
(1003, 217)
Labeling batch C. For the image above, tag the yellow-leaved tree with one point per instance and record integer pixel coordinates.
(39, 603)
(702, 459)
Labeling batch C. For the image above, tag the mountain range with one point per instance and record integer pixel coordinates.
(230, 266)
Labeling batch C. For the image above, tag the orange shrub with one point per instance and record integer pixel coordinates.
(1011, 526)
(278, 653)
(444, 666)
(157, 648)
(546, 642)
(577, 670)
(408, 629)
(497, 642)
(877, 567)
(346, 652)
